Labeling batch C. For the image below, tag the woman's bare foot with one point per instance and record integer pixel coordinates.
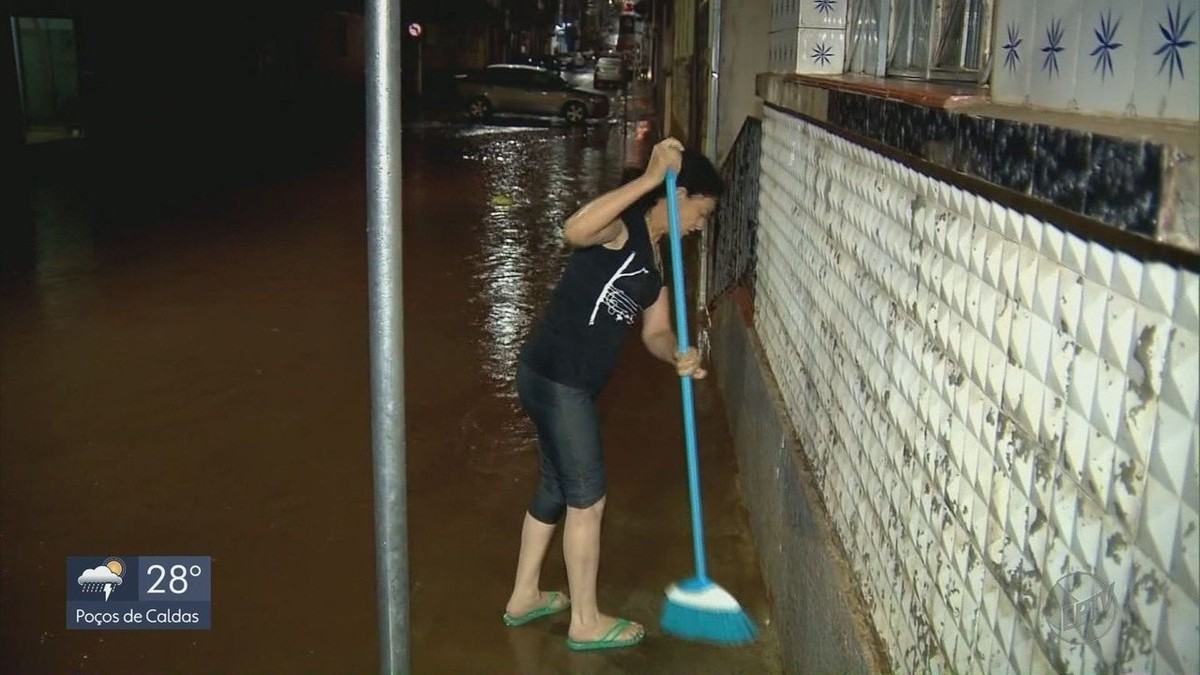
(600, 627)
(548, 601)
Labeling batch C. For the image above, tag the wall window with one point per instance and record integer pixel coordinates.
(863, 36)
(926, 39)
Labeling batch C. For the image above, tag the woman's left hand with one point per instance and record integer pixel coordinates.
(688, 364)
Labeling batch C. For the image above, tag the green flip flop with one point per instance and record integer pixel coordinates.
(547, 608)
(609, 641)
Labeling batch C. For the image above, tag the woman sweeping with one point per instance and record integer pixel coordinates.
(614, 275)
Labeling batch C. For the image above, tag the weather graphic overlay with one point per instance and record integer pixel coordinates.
(139, 593)
(103, 577)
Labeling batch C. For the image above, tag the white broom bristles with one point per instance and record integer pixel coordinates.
(712, 598)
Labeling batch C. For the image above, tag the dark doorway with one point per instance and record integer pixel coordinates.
(48, 77)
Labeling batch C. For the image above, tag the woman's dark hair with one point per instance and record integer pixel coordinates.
(697, 176)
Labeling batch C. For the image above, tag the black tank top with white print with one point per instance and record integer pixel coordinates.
(592, 309)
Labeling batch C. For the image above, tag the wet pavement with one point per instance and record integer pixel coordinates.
(195, 382)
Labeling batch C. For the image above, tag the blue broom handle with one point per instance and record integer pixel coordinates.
(685, 382)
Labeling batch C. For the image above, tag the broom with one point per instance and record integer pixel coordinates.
(696, 608)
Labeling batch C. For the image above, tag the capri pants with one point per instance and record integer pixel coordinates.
(568, 430)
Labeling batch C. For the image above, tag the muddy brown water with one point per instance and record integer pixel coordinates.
(199, 387)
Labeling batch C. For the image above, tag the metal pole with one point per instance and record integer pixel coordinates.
(710, 134)
(386, 309)
(714, 71)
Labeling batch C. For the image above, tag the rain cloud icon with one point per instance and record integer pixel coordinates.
(103, 577)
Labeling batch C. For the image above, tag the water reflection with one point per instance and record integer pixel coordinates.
(533, 180)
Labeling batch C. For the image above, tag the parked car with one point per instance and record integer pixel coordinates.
(610, 73)
(507, 88)
(547, 62)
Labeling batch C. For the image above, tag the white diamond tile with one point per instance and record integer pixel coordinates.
(1140, 621)
(1032, 233)
(1168, 461)
(1116, 560)
(1041, 663)
(1185, 569)
(970, 351)
(1062, 353)
(1053, 420)
(952, 234)
(1158, 288)
(1099, 264)
(1116, 345)
(1020, 654)
(966, 244)
(1081, 391)
(1127, 276)
(981, 211)
(960, 289)
(1045, 295)
(1070, 301)
(987, 317)
(1160, 524)
(1178, 649)
(1027, 277)
(993, 376)
(964, 651)
(1052, 244)
(1092, 314)
(979, 250)
(1010, 271)
(1108, 401)
(1187, 301)
(1128, 493)
(1011, 223)
(1003, 627)
(1136, 434)
(1032, 394)
(1041, 342)
(1058, 548)
(1151, 332)
(998, 508)
(1075, 253)
(1018, 341)
(1191, 477)
(1181, 374)
(993, 259)
(1014, 384)
(1088, 531)
(1098, 471)
(1076, 432)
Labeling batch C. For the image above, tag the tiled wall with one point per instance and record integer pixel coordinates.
(807, 36)
(1119, 182)
(1122, 57)
(990, 405)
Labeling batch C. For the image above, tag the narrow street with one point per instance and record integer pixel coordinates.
(196, 383)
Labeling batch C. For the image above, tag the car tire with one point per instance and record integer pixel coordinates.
(574, 112)
(479, 108)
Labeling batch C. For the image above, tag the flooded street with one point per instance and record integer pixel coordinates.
(195, 382)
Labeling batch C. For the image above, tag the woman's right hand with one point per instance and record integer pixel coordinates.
(667, 154)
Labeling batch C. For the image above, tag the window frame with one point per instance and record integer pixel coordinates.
(892, 12)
